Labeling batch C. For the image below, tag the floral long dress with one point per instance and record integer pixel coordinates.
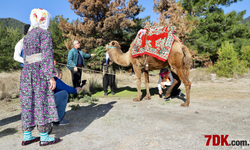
(37, 100)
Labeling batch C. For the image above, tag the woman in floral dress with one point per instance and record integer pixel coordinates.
(37, 82)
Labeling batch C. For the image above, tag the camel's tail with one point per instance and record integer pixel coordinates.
(187, 59)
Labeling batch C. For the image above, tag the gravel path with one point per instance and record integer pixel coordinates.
(114, 123)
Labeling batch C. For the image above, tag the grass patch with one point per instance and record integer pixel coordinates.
(124, 93)
(89, 99)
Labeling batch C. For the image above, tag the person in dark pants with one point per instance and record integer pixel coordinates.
(108, 68)
(165, 81)
(61, 93)
(75, 63)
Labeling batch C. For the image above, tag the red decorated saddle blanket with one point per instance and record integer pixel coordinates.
(154, 41)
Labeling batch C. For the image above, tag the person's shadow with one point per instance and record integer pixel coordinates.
(82, 118)
(10, 119)
(153, 91)
(5, 121)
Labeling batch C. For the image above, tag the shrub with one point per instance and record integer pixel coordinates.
(89, 99)
(228, 62)
(245, 55)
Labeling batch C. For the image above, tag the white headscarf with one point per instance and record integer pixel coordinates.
(39, 18)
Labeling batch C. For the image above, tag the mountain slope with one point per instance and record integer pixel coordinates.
(10, 22)
(247, 20)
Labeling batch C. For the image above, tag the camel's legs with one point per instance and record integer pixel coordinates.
(137, 71)
(175, 81)
(187, 84)
(146, 76)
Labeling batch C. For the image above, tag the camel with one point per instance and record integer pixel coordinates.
(179, 62)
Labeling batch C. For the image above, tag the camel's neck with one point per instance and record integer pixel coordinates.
(120, 58)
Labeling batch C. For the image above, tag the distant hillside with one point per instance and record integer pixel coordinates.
(247, 20)
(10, 22)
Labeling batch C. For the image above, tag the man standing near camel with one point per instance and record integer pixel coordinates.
(109, 70)
(75, 62)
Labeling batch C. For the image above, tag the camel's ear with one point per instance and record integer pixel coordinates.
(113, 43)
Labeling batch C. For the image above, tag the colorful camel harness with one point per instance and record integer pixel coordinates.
(154, 41)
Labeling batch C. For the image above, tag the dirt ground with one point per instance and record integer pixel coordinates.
(219, 106)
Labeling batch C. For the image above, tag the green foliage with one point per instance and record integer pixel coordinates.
(10, 36)
(96, 62)
(216, 28)
(89, 99)
(245, 55)
(131, 33)
(228, 62)
(15, 24)
(8, 39)
(76, 97)
(82, 97)
(75, 107)
(204, 7)
(59, 49)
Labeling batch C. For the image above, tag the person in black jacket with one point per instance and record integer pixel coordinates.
(108, 68)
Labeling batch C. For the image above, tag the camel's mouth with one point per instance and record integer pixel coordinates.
(108, 48)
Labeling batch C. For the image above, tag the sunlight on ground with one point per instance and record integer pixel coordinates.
(119, 92)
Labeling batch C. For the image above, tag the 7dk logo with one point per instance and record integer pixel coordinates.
(217, 140)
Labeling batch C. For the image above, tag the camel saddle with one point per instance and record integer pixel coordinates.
(154, 41)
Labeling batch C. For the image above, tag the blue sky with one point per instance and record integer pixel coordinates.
(20, 9)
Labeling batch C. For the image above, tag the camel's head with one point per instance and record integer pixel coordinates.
(112, 45)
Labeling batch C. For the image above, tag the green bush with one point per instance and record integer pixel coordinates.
(228, 62)
(8, 40)
(89, 99)
(245, 55)
(95, 63)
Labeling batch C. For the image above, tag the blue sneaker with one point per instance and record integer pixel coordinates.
(167, 99)
(62, 122)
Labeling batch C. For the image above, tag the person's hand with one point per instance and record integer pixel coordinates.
(110, 63)
(104, 64)
(75, 69)
(93, 55)
(78, 89)
(52, 84)
(160, 92)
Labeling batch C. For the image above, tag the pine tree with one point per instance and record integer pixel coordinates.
(59, 49)
(101, 21)
(215, 27)
(203, 7)
(171, 13)
(8, 39)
